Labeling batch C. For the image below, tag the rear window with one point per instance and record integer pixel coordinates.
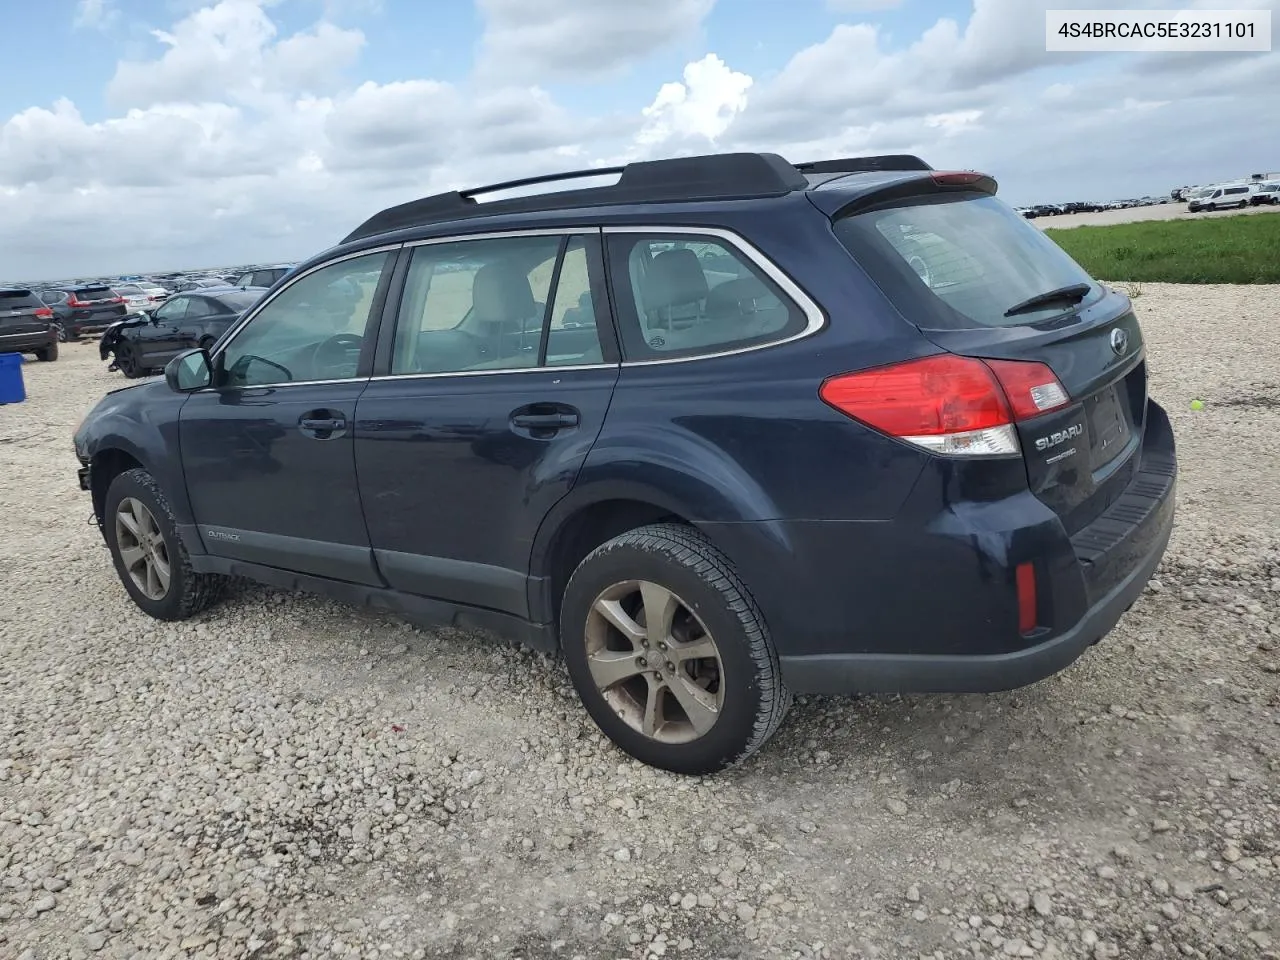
(95, 293)
(960, 262)
(239, 302)
(17, 299)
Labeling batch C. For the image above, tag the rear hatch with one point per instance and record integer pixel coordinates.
(980, 281)
(21, 311)
(97, 304)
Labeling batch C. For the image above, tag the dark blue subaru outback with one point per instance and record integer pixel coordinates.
(722, 431)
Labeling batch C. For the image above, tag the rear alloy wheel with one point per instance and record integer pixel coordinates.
(669, 653)
(149, 556)
(62, 332)
(665, 681)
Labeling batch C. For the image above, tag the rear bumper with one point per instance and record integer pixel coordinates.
(980, 673)
(927, 603)
(26, 342)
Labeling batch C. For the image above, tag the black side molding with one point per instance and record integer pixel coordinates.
(423, 611)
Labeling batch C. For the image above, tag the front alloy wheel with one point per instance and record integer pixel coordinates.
(654, 661)
(142, 549)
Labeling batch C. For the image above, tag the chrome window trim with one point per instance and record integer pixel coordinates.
(280, 386)
(815, 319)
(490, 373)
(503, 235)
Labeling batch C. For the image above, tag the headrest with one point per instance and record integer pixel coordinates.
(674, 277)
(500, 293)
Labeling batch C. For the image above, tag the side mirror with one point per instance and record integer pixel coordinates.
(189, 371)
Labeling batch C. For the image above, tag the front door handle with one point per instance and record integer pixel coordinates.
(322, 425)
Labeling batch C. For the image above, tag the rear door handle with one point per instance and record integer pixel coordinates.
(544, 421)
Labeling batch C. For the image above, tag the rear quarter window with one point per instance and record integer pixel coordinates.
(687, 295)
(959, 262)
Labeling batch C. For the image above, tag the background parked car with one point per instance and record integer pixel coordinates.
(1266, 193)
(149, 341)
(188, 284)
(262, 276)
(1219, 198)
(149, 292)
(27, 324)
(83, 309)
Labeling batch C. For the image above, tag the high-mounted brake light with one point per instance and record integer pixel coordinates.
(958, 406)
(958, 178)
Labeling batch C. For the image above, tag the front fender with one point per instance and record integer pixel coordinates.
(141, 422)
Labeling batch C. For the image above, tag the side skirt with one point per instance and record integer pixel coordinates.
(424, 611)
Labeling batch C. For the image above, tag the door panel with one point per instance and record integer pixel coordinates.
(268, 451)
(453, 492)
(267, 490)
(505, 367)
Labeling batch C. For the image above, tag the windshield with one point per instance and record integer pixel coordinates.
(962, 262)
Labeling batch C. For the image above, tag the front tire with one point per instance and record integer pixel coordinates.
(127, 361)
(669, 652)
(149, 557)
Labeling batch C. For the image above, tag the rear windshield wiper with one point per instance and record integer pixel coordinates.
(1072, 293)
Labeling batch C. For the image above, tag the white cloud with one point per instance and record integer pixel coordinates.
(702, 107)
(580, 38)
(234, 140)
(230, 51)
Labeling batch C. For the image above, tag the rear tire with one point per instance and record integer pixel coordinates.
(49, 353)
(711, 652)
(149, 557)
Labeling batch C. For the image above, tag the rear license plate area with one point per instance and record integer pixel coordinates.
(1110, 425)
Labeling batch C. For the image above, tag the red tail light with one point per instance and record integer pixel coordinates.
(44, 313)
(949, 404)
(1032, 388)
(74, 301)
(116, 300)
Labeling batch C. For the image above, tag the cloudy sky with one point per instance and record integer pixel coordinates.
(153, 134)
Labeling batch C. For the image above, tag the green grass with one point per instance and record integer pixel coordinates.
(1244, 249)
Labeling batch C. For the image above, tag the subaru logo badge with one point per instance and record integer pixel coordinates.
(1119, 341)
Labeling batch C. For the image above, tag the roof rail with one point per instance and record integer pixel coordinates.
(723, 176)
(891, 161)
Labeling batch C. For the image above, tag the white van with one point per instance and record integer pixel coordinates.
(1220, 198)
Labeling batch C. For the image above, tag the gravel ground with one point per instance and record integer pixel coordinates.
(287, 777)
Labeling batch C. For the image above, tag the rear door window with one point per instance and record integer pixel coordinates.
(506, 303)
(684, 295)
(961, 262)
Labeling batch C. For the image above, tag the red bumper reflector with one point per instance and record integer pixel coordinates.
(1027, 614)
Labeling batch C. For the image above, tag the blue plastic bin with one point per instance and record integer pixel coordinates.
(12, 389)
